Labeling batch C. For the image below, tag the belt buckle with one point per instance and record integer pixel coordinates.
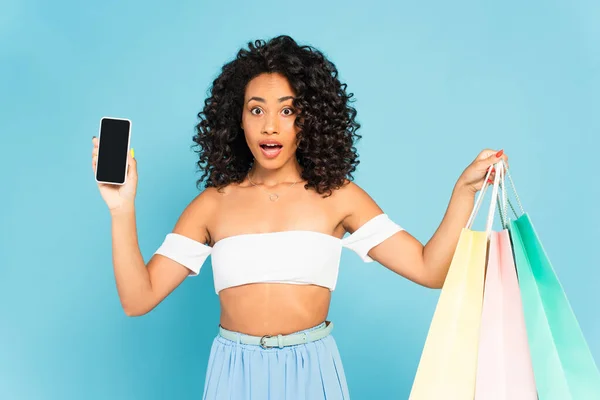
(263, 344)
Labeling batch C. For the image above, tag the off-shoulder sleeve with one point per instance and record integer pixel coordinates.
(187, 252)
(370, 234)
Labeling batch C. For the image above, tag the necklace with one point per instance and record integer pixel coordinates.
(272, 196)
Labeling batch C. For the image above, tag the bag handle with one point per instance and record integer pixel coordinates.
(502, 198)
(494, 201)
(479, 199)
(503, 205)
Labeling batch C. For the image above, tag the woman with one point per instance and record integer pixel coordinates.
(276, 145)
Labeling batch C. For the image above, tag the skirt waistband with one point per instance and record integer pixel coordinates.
(271, 341)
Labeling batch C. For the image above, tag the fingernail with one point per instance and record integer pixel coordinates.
(499, 154)
(490, 181)
(132, 153)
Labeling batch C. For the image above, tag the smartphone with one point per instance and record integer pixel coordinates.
(114, 138)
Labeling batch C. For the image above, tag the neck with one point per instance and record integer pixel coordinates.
(287, 173)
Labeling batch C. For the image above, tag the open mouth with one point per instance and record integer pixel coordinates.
(271, 149)
(270, 146)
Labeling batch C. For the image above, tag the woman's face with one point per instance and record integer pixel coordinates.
(268, 120)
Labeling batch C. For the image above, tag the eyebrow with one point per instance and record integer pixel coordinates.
(260, 99)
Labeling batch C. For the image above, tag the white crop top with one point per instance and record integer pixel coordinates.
(296, 256)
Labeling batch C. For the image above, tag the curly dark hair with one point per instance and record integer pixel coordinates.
(326, 121)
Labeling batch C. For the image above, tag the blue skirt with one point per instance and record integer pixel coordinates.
(240, 371)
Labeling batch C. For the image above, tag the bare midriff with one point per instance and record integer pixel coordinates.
(260, 309)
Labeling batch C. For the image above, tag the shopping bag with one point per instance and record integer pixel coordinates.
(504, 369)
(562, 362)
(447, 367)
(563, 365)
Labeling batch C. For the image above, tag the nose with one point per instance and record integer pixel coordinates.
(271, 125)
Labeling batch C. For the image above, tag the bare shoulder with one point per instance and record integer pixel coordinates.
(195, 218)
(356, 204)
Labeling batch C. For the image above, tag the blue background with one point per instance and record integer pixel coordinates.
(435, 83)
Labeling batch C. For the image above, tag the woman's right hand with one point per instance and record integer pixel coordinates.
(118, 197)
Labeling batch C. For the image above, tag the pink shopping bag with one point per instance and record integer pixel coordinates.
(504, 367)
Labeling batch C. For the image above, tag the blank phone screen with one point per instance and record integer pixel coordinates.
(112, 150)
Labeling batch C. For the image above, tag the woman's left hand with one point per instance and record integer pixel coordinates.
(473, 176)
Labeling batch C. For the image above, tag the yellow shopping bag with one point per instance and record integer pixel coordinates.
(448, 365)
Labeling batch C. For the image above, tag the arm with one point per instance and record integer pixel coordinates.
(426, 264)
(142, 287)
(439, 250)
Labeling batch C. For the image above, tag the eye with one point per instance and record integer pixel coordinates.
(290, 111)
(252, 111)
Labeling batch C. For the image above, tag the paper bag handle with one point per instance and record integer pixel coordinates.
(494, 200)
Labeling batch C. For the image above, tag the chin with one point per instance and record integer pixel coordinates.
(269, 164)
